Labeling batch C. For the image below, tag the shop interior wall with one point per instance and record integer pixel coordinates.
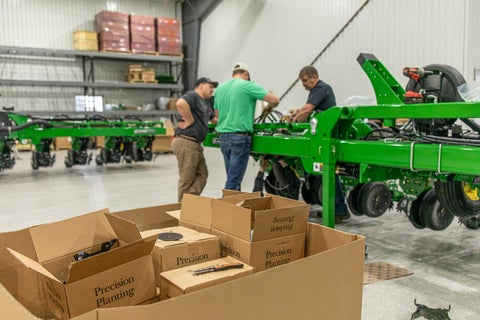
(50, 24)
(276, 38)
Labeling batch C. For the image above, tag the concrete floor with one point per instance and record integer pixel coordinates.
(446, 264)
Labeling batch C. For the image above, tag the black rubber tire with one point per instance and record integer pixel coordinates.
(34, 161)
(432, 214)
(450, 79)
(310, 193)
(69, 159)
(374, 199)
(414, 212)
(453, 198)
(352, 200)
(307, 194)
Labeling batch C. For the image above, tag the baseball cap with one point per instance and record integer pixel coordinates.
(205, 80)
(241, 66)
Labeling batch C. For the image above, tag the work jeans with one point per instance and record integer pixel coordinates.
(192, 168)
(235, 148)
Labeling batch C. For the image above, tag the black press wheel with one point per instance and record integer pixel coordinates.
(375, 198)
(414, 212)
(458, 198)
(34, 162)
(433, 214)
(353, 200)
(69, 159)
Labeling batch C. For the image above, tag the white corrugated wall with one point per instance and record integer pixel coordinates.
(50, 24)
(277, 37)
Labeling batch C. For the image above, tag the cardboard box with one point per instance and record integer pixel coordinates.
(147, 218)
(196, 211)
(182, 281)
(263, 254)
(85, 40)
(162, 143)
(327, 283)
(260, 218)
(62, 143)
(120, 276)
(194, 247)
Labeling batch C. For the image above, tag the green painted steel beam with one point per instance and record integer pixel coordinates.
(413, 156)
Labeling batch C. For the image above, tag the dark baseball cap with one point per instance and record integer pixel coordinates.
(205, 80)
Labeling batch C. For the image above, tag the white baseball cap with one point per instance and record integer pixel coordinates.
(241, 66)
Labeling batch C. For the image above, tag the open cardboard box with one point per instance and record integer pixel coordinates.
(326, 284)
(260, 218)
(196, 211)
(123, 275)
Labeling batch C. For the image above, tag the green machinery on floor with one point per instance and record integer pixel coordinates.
(429, 166)
(128, 140)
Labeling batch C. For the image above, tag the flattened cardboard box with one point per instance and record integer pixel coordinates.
(329, 279)
(263, 254)
(182, 281)
(194, 247)
(261, 218)
(122, 276)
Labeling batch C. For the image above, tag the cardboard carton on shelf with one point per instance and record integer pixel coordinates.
(119, 271)
(182, 281)
(192, 247)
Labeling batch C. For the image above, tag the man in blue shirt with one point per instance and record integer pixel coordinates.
(320, 98)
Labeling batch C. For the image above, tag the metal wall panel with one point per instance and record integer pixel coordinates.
(277, 37)
(50, 24)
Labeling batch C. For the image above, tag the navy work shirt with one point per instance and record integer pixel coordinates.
(322, 96)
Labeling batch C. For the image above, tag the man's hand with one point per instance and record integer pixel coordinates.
(182, 125)
(300, 116)
(266, 110)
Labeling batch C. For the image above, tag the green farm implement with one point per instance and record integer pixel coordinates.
(418, 148)
(125, 139)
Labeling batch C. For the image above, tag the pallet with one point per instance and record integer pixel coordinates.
(151, 53)
(116, 51)
(142, 81)
(180, 55)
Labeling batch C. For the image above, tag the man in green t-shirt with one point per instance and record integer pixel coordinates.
(235, 102)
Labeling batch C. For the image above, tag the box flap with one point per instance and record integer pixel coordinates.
(126, 230)
(234, 219)
(32, 264)
(196, 209)
(257, 204)
(175, 214)
(71, 235)
(107, 260)
(237, 198)
(151, 217)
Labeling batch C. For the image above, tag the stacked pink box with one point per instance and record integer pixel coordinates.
(142, 33)
(113, 31)
(168, 36)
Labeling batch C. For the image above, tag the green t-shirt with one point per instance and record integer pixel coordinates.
(235, 101)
